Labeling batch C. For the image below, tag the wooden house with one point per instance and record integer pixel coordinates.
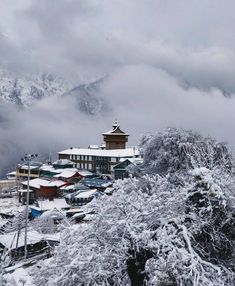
(121, 170)
(42, 206)
(41, 188)
(13, 242)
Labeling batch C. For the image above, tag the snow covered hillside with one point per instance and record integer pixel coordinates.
(23, 91)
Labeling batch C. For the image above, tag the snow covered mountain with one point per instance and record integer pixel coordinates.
(88, 98)
(23, 91)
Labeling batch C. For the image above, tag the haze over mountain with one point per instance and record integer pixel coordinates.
(162, 63)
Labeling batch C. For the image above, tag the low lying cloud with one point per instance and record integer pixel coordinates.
(166, 63)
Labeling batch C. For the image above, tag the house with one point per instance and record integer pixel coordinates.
(34, 170)
(11, 176)
(121, 169)
(34, 189)
(63, 164)
(13, 242)
(42, 206)
(69, 176)
(104, 158)
(41, 188)
(81, 197)
(48, 171)
(98, 182)
(73, 188)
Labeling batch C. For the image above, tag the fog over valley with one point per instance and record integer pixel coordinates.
(68, 69)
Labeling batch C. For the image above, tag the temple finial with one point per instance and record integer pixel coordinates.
(115, 123)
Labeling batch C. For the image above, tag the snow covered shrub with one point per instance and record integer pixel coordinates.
(107, 251)
(44, 224)
(200, 245)
(211, 201)
(177, 150)
(148, 233)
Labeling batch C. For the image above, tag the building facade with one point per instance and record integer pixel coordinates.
(115, 138)
(102, 159)
(95, 160)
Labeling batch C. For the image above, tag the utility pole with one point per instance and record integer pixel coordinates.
(27, 158)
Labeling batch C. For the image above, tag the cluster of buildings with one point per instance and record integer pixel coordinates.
(78, 170)
(104, 159)
(79, 174)
(61, 188)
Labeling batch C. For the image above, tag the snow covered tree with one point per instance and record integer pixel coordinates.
(2, 279)
(44, 224)
(179, 150)
(152, 231)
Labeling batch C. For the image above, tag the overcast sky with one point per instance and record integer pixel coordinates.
(169, 63)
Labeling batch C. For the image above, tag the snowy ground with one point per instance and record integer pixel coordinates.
(10, 205)
(17, 275)
(20, 276)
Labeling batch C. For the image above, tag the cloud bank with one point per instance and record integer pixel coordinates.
(168, 63)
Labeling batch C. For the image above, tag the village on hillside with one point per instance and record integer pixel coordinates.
(38, 198)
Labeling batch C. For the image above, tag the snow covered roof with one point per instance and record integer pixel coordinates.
(118, 153)
(46, 167)
(45, 205)
(55, 183)
(132, 160)
(74, 210)
(54, 214)
(11, 173)
(36, 183)
(52, 236)
(77, 186)
(11, 206)
(93, 147)
(33, 165)
(79, 215)
(86, 194)
(97, 182)
(50, 168)
(63, 162)
(66, 174)
(116, 130)
(25, 167)
(25, 191)
(9, 239)
(84, 173)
